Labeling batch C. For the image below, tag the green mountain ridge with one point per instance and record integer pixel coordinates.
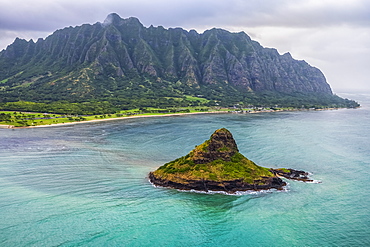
(128, 65)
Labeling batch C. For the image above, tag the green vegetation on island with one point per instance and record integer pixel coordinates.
(239, 167)
(217, 159)
(217, 165)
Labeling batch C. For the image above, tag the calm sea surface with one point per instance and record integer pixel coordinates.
(86, 185)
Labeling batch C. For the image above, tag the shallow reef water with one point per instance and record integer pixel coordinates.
(87, 185)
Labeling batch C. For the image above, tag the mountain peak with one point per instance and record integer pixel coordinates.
(224, 67)
(112, 18)
(221, 145)
(115, 19)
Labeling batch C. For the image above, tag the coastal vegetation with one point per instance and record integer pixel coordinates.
(25, 119)
(62, 111)
(25, 114)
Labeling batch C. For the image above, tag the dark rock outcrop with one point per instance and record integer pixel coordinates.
(231, 186)
(292, 174)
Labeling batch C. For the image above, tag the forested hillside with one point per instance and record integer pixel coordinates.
(126, 65)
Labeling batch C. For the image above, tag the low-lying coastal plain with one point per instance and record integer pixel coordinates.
(19, 119)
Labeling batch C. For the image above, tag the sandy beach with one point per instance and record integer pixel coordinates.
(112, 119)
(147, 116)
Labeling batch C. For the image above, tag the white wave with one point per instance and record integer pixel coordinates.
(236, 193)
(314, 182)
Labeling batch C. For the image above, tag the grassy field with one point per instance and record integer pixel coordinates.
(27, 119)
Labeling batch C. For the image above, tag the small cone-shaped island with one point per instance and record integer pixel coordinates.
(217, 165)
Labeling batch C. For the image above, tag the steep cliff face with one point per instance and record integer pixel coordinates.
(91, 59)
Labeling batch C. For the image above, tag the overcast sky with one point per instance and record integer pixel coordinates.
(333, 35)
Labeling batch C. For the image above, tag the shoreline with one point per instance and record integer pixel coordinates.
(4, 126)
(111, 119)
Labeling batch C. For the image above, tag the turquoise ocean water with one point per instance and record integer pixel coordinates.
(86, 185)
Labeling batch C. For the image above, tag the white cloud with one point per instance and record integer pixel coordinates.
(8, 37)
(339, 51)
